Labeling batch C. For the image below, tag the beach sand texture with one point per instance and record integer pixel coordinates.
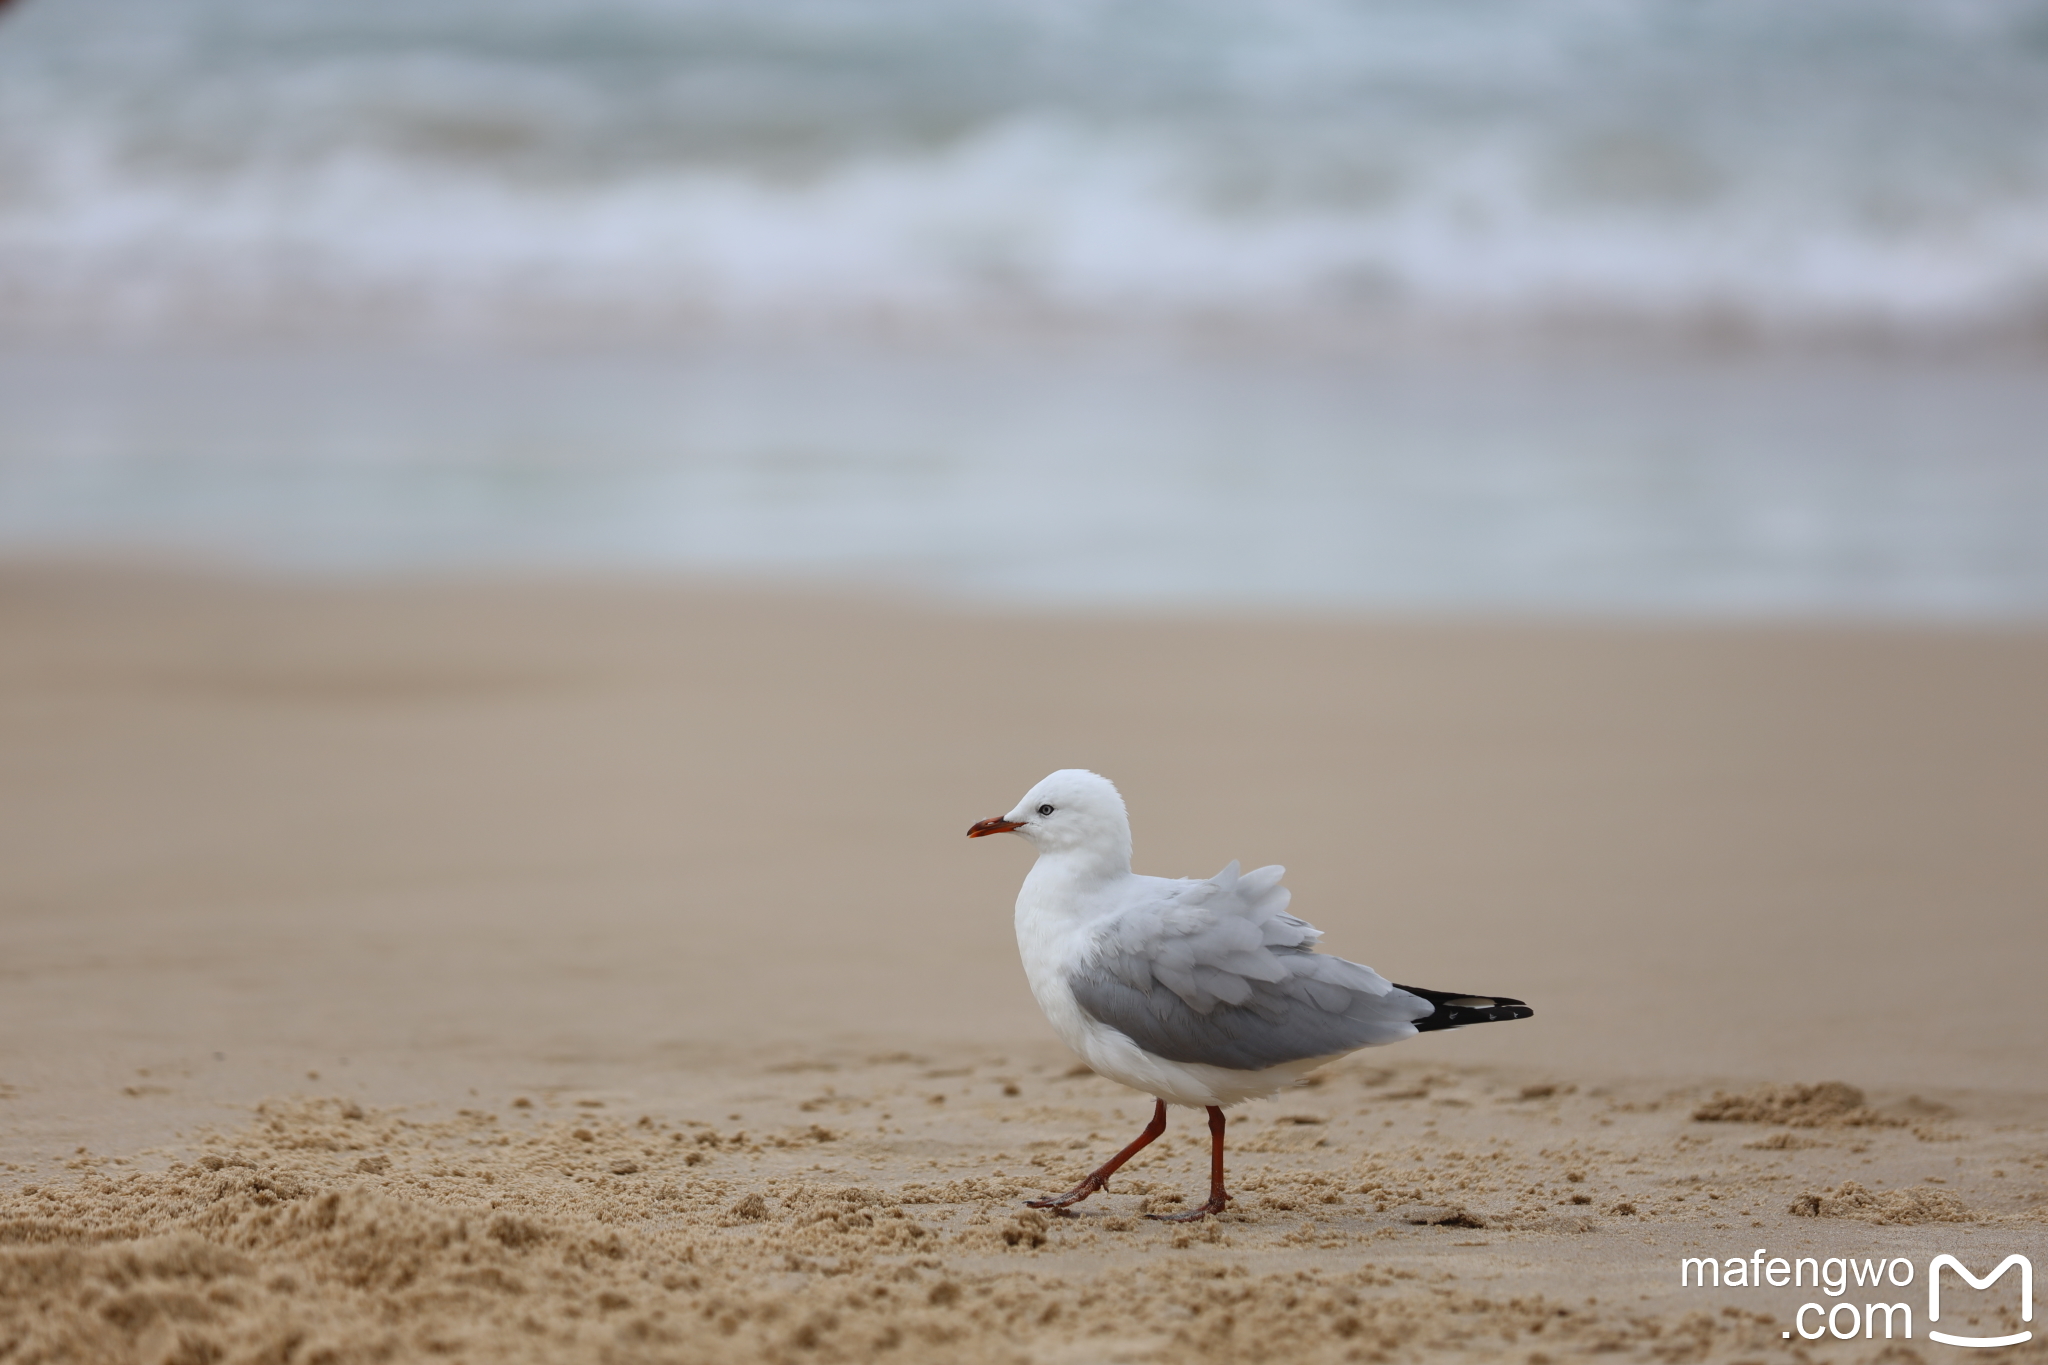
(597, 971)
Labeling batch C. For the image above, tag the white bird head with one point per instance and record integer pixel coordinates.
(1072, 811)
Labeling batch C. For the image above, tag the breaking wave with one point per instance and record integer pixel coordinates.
(632, 166)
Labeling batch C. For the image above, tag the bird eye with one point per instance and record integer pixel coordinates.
(1045, 810)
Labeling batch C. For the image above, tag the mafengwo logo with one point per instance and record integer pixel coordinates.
(1847, 1319)
(1934, 1268)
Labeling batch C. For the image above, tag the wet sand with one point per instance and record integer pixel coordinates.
(568, 970)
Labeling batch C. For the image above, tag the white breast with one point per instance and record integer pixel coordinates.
(1052, 941)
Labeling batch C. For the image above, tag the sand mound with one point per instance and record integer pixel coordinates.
(1830, 1104)
(1786, 1141)
(1916, 1204)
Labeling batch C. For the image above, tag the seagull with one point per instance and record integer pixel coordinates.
(1199, 993)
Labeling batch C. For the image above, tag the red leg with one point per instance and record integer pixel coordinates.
(1099, 1177)
(1217, 1196)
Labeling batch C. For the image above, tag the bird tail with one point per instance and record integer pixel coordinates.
(1454, 1010)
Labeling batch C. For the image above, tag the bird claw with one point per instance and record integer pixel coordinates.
(1058, 1202)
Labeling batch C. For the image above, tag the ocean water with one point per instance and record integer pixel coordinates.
(465, 167)
(1721, 307)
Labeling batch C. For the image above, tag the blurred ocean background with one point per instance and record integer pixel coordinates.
(1730, 307)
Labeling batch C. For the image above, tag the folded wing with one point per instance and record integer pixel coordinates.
(1217, 972)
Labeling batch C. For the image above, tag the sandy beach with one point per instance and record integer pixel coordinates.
(579, 970)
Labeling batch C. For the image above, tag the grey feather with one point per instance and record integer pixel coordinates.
(1217, 972)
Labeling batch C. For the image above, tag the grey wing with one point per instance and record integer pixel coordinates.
(1218, 973)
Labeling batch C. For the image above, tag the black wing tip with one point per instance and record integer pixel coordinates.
(1456, 1009)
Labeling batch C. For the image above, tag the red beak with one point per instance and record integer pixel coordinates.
(998, 826)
